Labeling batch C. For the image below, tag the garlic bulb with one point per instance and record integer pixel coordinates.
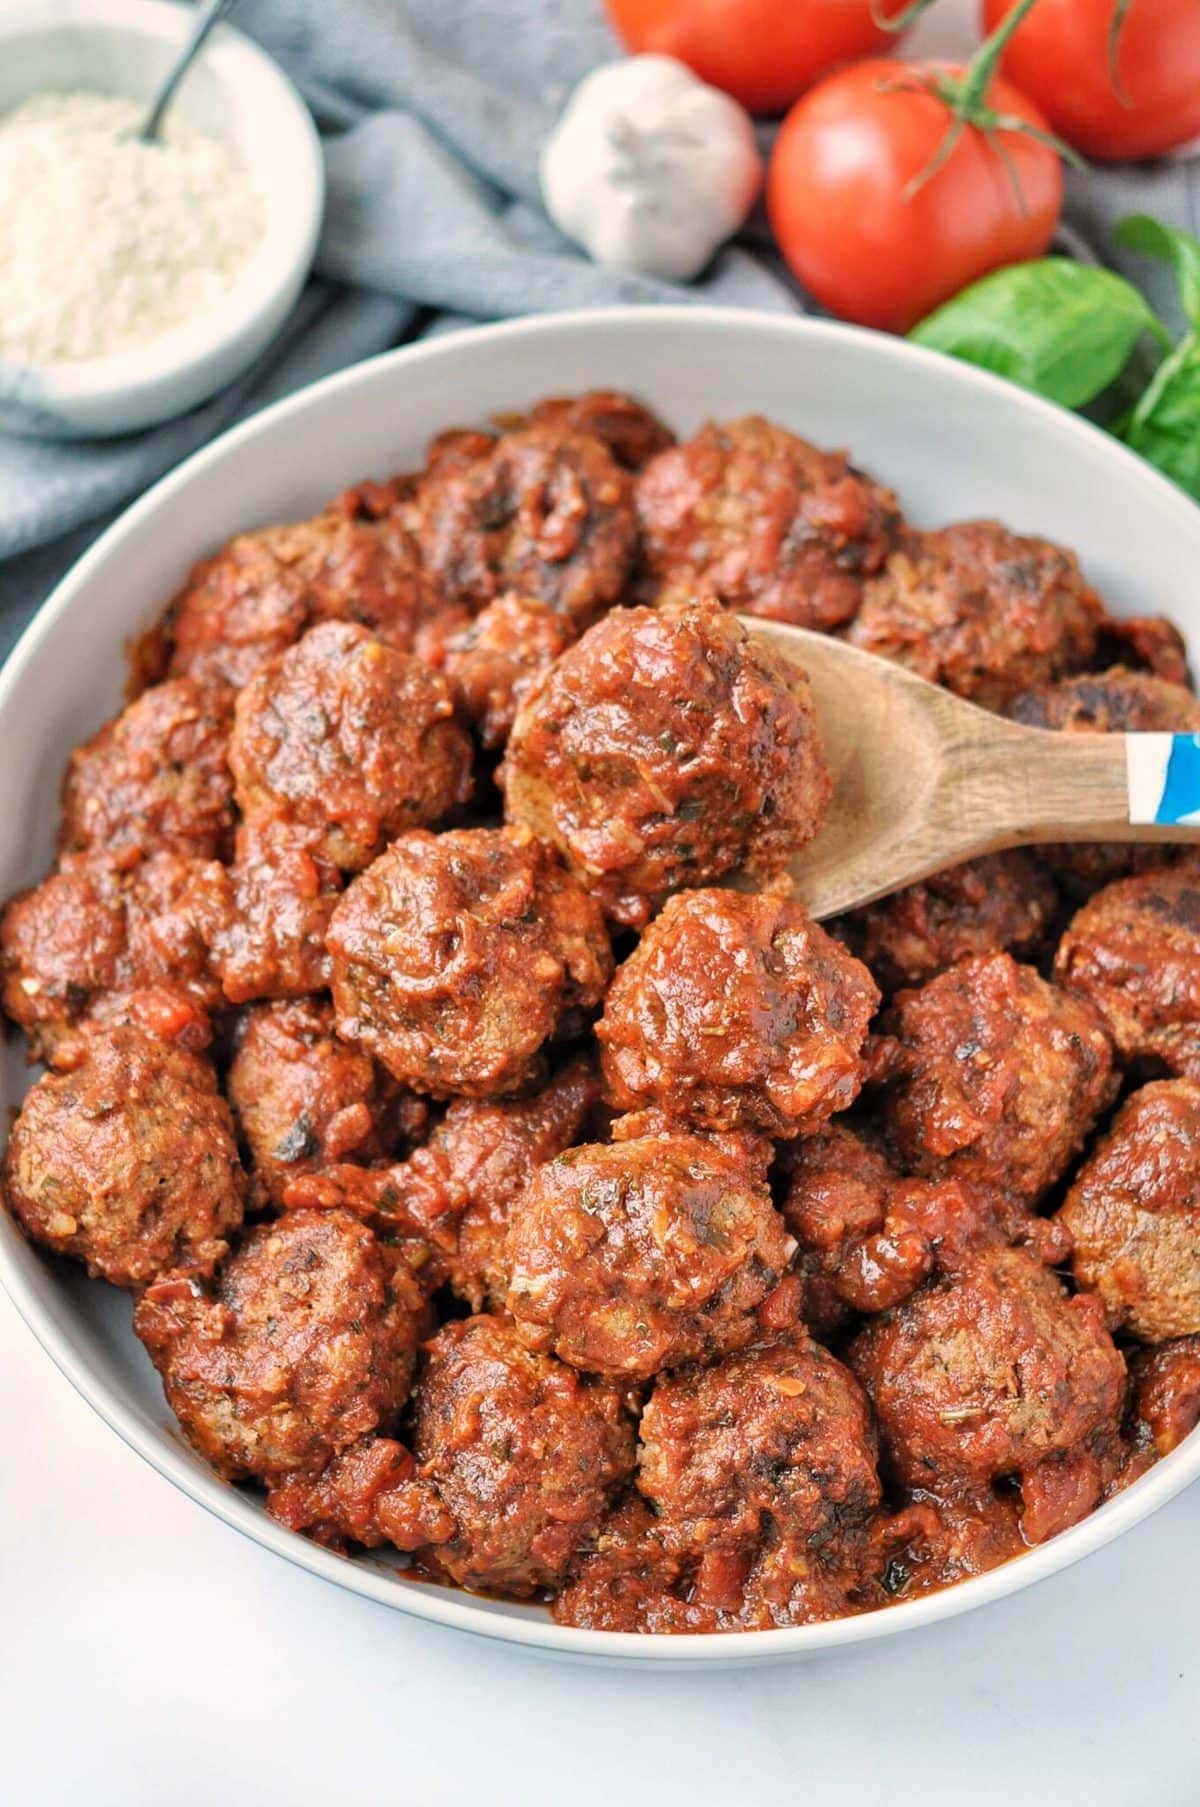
(649, 168)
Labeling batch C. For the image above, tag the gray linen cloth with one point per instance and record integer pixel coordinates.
(433, 113)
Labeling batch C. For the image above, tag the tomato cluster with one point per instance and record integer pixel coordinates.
(895, 182)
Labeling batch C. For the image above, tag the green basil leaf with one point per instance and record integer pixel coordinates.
(1170, 246)
(1165, 427)
(1061, 328)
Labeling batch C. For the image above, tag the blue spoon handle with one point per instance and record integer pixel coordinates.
(1162, 772)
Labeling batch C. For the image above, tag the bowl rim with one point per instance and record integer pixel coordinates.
(280, 259)
(444, 1605)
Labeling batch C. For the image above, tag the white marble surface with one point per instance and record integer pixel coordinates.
(149, 1657)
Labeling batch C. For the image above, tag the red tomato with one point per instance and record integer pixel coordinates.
(763, 52)
(1059, 56)
(867, 242)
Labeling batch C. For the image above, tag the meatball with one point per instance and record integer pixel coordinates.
(981, 610)
(127, 1161)
(493, 662)
(98, 937)
(261, 591)
(306, 1343)
(156, 779)
(350, 739)
(1004, 902)
(544, 511)
(267, 915)
(303, 1098)
(664, 749)
(737, 1012)
(456, 956)
(1164, 1405)
(1134, 1214)
(999, 1076)
(766, 522)
(632, 434)
(1107, 702)
(1133, 953)
(524, 1455)
(761, 1473)
(639, 1255)
(994, 1372)
(371, 1494)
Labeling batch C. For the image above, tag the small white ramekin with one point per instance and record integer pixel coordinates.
(235, 92)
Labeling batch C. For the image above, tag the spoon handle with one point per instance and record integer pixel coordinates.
(207, 15)
(1163, 779)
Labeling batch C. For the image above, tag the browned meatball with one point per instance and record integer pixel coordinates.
(128, 1161)
(737, 1012)
(631, 432)
(524, 1455)
(1134, 1214)
(993, 1371)
(1004, 902)
(1116, 701)
(493, 662)
(350, 739)
(456, 956)
(1000, 1076)
(256, 596)
(1164, 1405)
(156, 779)
(303, 1098)
(639, 1255)
(267, 915)
(981, 610)
(767, 522)
(306, 1343)
(1133, 953)
(761, 1472)
(97, 934)
(664, 749)
(544, 511)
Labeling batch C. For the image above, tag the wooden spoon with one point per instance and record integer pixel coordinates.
(923, 780)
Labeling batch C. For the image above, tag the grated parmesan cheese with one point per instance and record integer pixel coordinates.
(107, 243)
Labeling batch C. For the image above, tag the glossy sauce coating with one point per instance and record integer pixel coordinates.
(636, 1256)
(493, 662)
(306, 1342)
(981, 610)
(127, 1161)
(456, 956)
(663, 750)
(266, 916)
(765, 521)
(736, 1011)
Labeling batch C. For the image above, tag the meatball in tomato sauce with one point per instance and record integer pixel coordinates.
(127, 1161)
(736, 1011)
(998, 1076)
(663, 750)
(984, 611)
(156, 779)
(766, 522)
(305, 1342)
(639, 1255)
(457, 956)
(346, 737)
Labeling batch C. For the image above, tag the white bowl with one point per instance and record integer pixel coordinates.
(952, 440)
(234, 92)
